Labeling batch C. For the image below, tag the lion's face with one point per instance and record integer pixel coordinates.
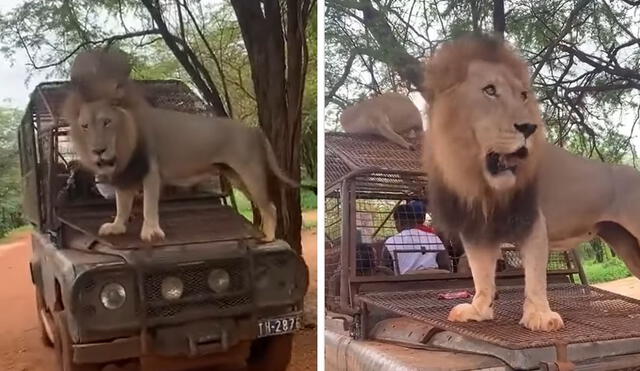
(485, 134)
(101, 133)
(501, 116)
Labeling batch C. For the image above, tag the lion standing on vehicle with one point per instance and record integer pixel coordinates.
(389, 115)
(120, 136)
(482, 163)
(493, 178)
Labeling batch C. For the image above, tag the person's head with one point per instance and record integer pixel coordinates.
(408, 216)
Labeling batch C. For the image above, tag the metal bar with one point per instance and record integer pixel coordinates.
(578, 263)
(385, 219)
(344, 244)
(445, 276)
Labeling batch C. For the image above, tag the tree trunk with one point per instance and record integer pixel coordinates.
(278, 80)
(499, 22)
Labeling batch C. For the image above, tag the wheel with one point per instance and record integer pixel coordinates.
(44, 337)
(272, 353)
(62, 346)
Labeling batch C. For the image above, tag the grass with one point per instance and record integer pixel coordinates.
(610, 270)
(308, 201)
(15, 234)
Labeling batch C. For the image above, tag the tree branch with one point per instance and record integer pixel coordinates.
(107, 40)
(568, 26)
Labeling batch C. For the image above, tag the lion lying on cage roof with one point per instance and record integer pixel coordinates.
(118, 135)
(494, 178)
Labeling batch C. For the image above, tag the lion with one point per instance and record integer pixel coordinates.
(98, 72)
(388, 115)
(495, 179)
(121, 137)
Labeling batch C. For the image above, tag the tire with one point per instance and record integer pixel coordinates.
(44, 337)
(272, 353)
(62, 346)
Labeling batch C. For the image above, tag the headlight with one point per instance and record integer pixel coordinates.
(219, 280)
(113, 295)
(172, 288)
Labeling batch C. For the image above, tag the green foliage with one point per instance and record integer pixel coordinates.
(589, 108)
(600, 264)
(308, 201)
(610, 270)
(10, 200)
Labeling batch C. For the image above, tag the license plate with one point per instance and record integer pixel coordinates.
(277, 326)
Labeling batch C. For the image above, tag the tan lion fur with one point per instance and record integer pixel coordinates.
(99, 72)
(578, 198)
(463, 127)
(389, 115)
(152, 146)
(478, 93)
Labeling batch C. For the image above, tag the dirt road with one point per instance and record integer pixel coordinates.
(629, 286)
(20, 345)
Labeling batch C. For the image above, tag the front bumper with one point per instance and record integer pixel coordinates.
(193, 339)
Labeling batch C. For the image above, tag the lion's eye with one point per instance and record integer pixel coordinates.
(490, 90)
(85, 126)
(107, 122)
(524, 96)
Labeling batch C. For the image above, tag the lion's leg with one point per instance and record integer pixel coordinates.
(537, 314)
(254, 178)
(124, 202)
(623, 242)
(386, 131)
(482, 261)
(151, 197)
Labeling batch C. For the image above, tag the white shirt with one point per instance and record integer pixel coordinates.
(414, 239)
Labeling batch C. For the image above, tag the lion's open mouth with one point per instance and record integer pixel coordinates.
(497, 163)
(106, 162)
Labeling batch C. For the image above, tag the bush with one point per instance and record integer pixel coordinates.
(610, 270)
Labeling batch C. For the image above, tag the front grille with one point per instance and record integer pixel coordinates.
(197, 296)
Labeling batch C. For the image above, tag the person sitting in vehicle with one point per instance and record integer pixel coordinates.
(416, 248)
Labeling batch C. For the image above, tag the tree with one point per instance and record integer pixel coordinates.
(584, 55)
(10, 208)
(222, 58)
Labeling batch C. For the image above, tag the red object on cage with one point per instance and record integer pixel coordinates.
(454, 295)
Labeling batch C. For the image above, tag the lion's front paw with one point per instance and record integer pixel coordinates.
(542, 320)
(467, 312)
(112, 228)
(151, 232)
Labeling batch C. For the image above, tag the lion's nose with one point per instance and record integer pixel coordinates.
(526, 129)
(99, 151)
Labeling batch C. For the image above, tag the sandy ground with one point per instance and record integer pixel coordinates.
(20, 345)
(627, 286)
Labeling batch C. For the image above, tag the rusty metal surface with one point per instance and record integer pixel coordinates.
(344, 353)
(182, 225)
(384, 169)
(48, 98)
(589, 314)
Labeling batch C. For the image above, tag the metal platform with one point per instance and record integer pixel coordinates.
(589, 315)
(182, 222)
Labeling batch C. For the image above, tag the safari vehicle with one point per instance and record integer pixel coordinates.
(207, 293)
(378, 319)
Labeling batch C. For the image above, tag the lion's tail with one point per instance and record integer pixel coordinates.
(273, 164)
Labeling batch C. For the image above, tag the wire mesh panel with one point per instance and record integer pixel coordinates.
(333, 225)
(393, 238)
(381, 228)
(618, 316)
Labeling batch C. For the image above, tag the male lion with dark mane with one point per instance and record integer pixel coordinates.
(119, 136)
(495, 179)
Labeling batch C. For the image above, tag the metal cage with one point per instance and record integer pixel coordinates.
(367, 181)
